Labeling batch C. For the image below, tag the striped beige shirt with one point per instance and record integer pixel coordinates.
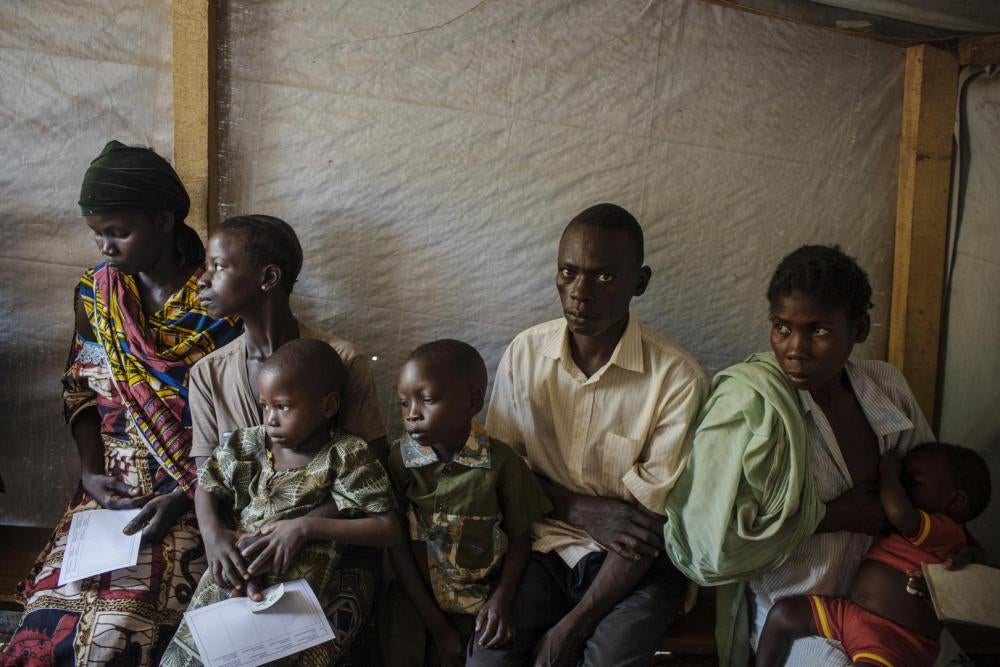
(624, 432)
(825, 563)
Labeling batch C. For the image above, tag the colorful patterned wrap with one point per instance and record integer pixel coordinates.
(149, 359)
(135, 377)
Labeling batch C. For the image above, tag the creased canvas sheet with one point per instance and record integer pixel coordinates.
(73, 74)
(429, 155)
(970, 390)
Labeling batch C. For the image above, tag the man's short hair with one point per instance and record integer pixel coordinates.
(613, 217)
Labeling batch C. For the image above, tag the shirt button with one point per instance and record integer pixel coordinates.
(440, 507)
(445, 470)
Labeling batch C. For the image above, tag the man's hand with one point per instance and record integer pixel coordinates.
(562, 646)
(158, 516)
(629, 530)
(111, 493)
(224, 559)
(857, 510)
(494, 626)
(277, 546)
(448, 644)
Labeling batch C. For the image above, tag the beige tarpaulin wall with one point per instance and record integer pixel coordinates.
(73, 74)
(429, 154)
(970, 403)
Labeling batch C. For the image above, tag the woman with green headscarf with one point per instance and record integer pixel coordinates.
(139, 328)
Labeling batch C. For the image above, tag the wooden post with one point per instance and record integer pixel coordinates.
(194, 108)
(925, 148)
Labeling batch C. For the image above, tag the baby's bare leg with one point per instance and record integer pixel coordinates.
(788, 619)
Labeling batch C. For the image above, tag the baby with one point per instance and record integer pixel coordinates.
(469, 500)
(267, 478)
(941, 488)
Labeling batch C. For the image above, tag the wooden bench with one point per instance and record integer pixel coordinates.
(19, 546)
(691, 638)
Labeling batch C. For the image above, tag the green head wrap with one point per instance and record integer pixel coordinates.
(131, 177)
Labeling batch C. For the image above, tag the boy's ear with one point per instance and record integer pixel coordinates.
(645, 273)
(862, 327)
(476, 400)
(331, 404)
(270, 277)
(958, 503)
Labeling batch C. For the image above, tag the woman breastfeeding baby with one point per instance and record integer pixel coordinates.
(781, 495)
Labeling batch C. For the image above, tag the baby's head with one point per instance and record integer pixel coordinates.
(300, 387)
(947, 479)
(441, 388)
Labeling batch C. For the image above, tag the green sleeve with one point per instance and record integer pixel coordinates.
(398, 475)
(360, 485)
(217, 475)
(522, 499)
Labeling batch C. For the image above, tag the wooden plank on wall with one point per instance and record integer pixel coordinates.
(981, 50)
(194, 107)
(925, 150)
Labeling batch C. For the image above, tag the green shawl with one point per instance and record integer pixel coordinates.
(746, 499)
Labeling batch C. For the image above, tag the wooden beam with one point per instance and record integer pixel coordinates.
(844, 21)
(982, 50)
(194, 108)
(925, 148)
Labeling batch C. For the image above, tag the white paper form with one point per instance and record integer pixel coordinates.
(96, 544)
(229, 634)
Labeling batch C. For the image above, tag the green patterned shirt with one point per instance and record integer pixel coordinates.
(240, 474)
(465, 510)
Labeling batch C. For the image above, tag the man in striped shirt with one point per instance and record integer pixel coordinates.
(604, 409)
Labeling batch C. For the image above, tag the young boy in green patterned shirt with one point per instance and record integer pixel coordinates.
(469, 502)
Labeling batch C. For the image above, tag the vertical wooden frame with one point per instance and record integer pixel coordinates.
(194, 108)
(925, 151)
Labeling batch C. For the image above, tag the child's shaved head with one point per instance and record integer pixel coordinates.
(453, 359)
(965, 469)
(310, 362)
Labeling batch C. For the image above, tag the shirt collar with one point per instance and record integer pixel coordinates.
(474, 454)
(883, 415)
(627, 353)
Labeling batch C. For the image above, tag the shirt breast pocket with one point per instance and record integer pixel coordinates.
(616, 456)
(480, 542)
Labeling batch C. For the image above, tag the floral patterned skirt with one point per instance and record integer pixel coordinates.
(124, 617)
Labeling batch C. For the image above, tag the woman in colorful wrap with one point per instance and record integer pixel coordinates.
(139, 328)
(780, 495)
